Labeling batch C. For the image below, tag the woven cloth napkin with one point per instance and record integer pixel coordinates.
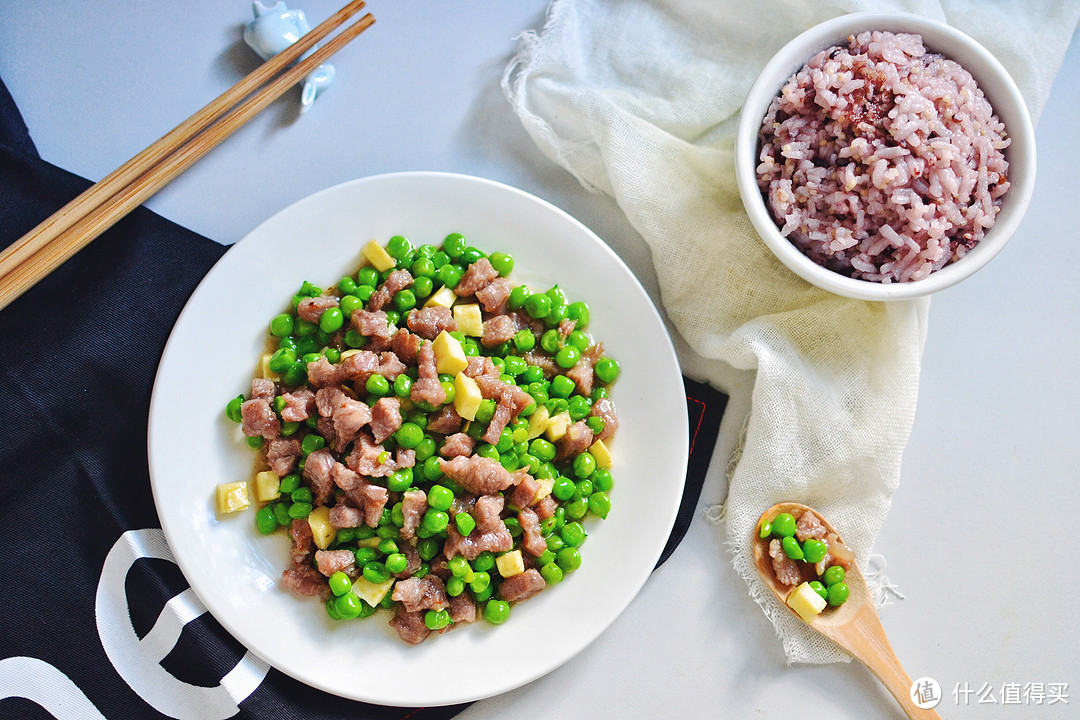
(640, 100)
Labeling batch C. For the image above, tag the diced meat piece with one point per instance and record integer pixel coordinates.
(365, 458)
(523, 586)
(480, 365)
(809, 526)
(345, 516)
(457, 445)
(490, 534)
(375, 498)
(332, 561)
(532, 539)
(312, 309)
(390, 366)
(322, 372)
(262, 389)
(477, 277)
(604, 409)
(306, 581)
(566, 326)
(405, 345)
(413, 507)
(258, 418)
(499, 329)
(427, 387)
(317, 471)
(359, 366)
(349, 417)
(462, 609)
(494, 295)
(282, 454)
(345, 478)
(395, 282)
(426, 593)
(445, 422)
(430, 321)
(440, 568)
(546, 507)
(525, 492)
(303, 542)
(577, 440)
(327, 400)
(375, 327)
(412, 561)
(299, 405)
(410, 626)
(478, 475)
(543, 361)
(514, 397)
(385, 418)
(583, 375)
(488, 513)
(786, 570)
(841, 553)
(325, 427)
(503, 415)
(404, 458)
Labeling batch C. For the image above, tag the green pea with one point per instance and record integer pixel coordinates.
(425, 449)
(792, 548)
(345, 535)
(596, 424)
(561, 386)
(607, 370)
(377, 385)
(599, 392)
(367, 276)
(282, 325)
(513, 525)
(436, 619)
(459, 566)
(579, 407)
(471, 255)
(600, 504)
(392, 317)
(300, 510)
(232, 409)
(556, 406)
(340, 583)
(542, 449)
(454, 244)
(432, 470)
(331, 609)
(405, 300)
(563, 489)
(577, 508)
(255, 442)
(814, 551)
(397, 514)
(354, 339)
(333, 355)
(455, 586)
(503, 263)
(484, 561)
(538, 306)
(556, 316)
(440, 497)
(427, 549)
(403, 386)
(524, 340)
(302, 494)
(573, 534)
(551, 341)
(783, 525)
(311, 443)
(584, 465)
(422, 266)
(497, 612)
(480, 582)
(435, 521)
(833, 574)
(486, 411)
(398, 246)
(332, 319)
(538, 391)
(265, 521)
(423, 286)
(281, 514)
(552, 573)
(487, 451)
(400, 480)
(282, 359)
(838, 593)
(555, 543)
(409, 435)
(532, 374)
(567, 357)
(568, 559)
(765, 530)
(450, 275)
(603, 480)
(819, 589)
(578, 312)
(388, 546)
(396, 563)
(375, 572)
(310, 358)
(465, 523)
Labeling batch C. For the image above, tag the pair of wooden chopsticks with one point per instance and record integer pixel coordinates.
(74, 226)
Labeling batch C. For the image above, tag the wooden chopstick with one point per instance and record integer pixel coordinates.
(75, 225)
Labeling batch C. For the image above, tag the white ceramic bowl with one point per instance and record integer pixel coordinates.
(999, 89)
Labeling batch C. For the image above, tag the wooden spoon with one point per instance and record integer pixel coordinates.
(854, 625)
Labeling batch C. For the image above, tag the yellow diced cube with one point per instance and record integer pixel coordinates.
(469, 320)
(264, 368)
(557, 425)
(510, 564)
(600, 452)
(267, 486)
(467, 396)
(321, 529)
(370, 542)
(370, 592)
(538, 422)
(449, 356)
(546, 485)
(443, 296)
(232, 497)
(806, 602)
(378, 257)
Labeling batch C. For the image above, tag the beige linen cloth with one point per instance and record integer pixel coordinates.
(640, 101)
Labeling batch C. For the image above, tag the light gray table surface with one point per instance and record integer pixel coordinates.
(982, 533)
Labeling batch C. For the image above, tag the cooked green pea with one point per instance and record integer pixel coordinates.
(455, 586)
(301, 494)
(350, 304)
(354, 339)
(573, 534)
(403, 385)
(377, 385)
(578, 312)
(552, 573)
(282, 359)
(819, 589)
(563, 489)
(584, 465)
(603, 480)
(423, 286)
(833, 574)
(465, 523)
(480, 582)
(561, 386)
(427, 549)
(568, 559)
(583, 488)
(838, 593)
(311, 443)
(331, 609)
(524, 340)
(300, 510)
(607, 370)
(396, 563)
(425, 449)
(340, 583)
(398, 246)
(289, 483)
(532, 374)
(367, 275)
(792, 548)
(232, 409)
(471, 255)
(454, 244)
(265, 522)
(579, 407)
(557, 314)
(487, 451)
(435, 520)
(432, 470)
(486, 411)
(469, 346)
(440, 497)
(783, 525)
(281, 514)
(400, 480)
(282, 325)
(513, 525)
(555, 543)
(405, 300)
(310, 357)
(310, 290)
(375, 572)
(765, 530)
(551, 341)
(409, 435)
(333, 355)
(567, 357)
(304, 328)
(538, 306)
(484, 561)
(814, 551)
(503, 263)
(332, 319)
(600, 504)
(542, 449)
(450, 275)
(345, 535)
(497, 612)
(397, 515)
(538, 391)
(388, 545)
(577, 508)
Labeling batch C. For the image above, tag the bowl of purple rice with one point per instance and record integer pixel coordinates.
(884, 157)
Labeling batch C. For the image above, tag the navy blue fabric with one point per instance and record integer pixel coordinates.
(78, 353)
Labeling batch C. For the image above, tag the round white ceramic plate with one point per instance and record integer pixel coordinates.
(212, 354)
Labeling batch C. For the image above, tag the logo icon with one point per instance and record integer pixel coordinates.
(925, 693)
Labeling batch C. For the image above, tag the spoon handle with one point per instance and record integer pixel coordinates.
(864, 638)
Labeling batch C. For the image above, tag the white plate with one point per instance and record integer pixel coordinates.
(211, 356)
